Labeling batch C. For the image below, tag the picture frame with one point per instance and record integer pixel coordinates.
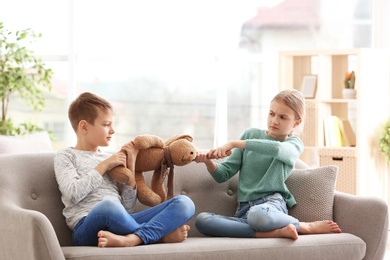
(309, 86)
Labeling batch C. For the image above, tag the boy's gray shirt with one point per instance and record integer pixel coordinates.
(82, 186)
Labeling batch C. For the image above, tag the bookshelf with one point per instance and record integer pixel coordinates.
(360, 166)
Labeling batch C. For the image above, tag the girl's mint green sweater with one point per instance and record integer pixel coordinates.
(264, 165)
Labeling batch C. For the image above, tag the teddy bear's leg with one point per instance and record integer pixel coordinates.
(145, 195)
(158, 184)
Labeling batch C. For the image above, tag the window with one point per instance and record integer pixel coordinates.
(206, 68)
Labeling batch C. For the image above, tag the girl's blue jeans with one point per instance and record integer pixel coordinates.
(264, 214)
(150, 225)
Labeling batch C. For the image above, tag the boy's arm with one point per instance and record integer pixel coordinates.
(111, 162)
(73, 186)
(129, 198)
(129, 192)
(132, 152)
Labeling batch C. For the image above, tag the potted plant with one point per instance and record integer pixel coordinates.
(21, 72)
(349, 90)
(384, 141)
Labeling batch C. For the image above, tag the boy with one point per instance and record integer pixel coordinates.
(98, 209)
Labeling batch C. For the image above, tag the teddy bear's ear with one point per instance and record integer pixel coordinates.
(177, 137)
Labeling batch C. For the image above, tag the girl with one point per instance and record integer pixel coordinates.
(264, 159)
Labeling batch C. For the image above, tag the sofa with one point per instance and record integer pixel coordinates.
(32, 225)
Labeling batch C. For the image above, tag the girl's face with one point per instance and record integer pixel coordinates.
(100, 133)
(281, 120)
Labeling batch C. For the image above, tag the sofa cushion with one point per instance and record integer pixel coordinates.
(31, 143)
(313, 190)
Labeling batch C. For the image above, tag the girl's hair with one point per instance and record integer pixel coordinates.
(85, 107)
(295, 100)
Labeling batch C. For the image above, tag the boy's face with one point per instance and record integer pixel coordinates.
(281, 120)
(100, 133)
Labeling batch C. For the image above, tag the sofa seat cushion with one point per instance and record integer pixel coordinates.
(330, 246)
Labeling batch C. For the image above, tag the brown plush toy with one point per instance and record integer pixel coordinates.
(156, 155)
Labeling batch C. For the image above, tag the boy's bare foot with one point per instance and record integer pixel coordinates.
(108, 239)
(288, 231)
(319, 227)
(179, 235)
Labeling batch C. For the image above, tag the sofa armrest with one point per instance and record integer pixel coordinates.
(26, 234)
(365, 217)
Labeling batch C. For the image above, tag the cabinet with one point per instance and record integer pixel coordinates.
(361, 168)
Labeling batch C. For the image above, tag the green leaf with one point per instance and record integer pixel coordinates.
(384, 141)
(21, 73)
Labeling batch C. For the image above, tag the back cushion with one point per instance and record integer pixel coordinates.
(312, 188)
(29, 182)
(195, 181)
(31, 143)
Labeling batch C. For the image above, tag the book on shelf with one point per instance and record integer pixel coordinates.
(338, 132)
(332, 131)
(347, 134)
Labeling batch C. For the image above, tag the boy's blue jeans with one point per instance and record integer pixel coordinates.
(150, 225)
(264, 214)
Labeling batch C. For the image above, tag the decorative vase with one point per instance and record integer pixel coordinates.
(349, 93)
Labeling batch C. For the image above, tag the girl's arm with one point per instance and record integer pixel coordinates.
(287, 151)
(218, 153)
(203, 157)
(226, 149)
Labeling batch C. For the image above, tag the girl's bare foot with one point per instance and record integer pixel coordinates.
(319, 227)
(179, 235)
(108, 239)
(288, 231)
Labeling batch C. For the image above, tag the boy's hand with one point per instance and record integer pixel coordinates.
(114, 160)
(132, 152)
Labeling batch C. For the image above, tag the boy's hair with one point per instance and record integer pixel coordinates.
(85, 108)
(295, 100)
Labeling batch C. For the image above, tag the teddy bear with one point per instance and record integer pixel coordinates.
(157, 156)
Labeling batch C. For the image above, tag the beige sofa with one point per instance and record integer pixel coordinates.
(32, 225)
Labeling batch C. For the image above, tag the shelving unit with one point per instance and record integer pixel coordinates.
(360, 167)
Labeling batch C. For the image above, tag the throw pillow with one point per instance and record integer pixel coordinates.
(313, 190)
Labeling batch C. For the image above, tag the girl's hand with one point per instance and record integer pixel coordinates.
(201, 157)
(220, 152)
